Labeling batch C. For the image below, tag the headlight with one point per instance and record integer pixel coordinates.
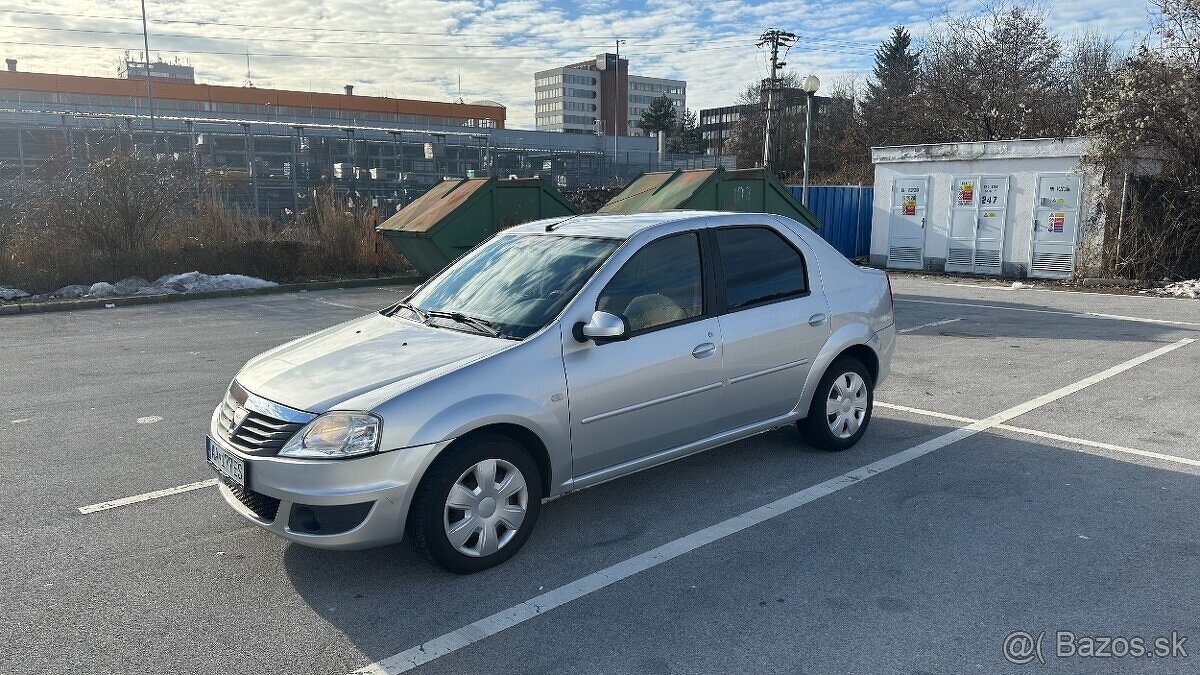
(335, 435)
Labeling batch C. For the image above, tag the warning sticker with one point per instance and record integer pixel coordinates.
(909, 205)
(966, 194)
(1057, 220)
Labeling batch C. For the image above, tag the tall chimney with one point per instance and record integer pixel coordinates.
(349, 90)
(12, 65)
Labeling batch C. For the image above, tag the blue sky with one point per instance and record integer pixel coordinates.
(421, 48)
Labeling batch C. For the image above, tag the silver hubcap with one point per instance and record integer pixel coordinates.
(485, 507)
(847, 405)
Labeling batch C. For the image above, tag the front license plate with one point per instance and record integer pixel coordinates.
(229, 465)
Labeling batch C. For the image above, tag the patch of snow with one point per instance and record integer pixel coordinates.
(194, 282)
(72, 291)
(112, 306)
(10, 293)
(101, 289)
(1017, 284)
(1189, 288)
(149, 420)
(130, 285)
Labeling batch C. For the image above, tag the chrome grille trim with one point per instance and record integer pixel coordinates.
(259, 427)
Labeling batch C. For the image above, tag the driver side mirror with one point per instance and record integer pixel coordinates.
(604, 327)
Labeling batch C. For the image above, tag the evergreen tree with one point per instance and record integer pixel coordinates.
(659, 116)
(891, 95)
(685, 137)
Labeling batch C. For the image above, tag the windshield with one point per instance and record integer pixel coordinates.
(515, 284)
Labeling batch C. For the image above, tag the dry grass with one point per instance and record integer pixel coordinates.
(50, 240)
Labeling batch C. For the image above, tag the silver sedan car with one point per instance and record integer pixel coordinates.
(554, 356)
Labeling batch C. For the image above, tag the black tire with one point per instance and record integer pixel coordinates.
(426, 520)
(816, 427)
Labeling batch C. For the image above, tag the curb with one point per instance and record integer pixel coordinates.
(132, 300)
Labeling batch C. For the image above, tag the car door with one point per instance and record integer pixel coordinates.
(772, 324)
(659, 388)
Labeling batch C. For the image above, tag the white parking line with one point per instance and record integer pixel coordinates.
(1077, 315)
(147, 496)
(1047, 435)
(518, 614)
(338, 304)
(928, 325)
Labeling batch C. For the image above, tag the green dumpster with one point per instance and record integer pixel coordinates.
(744, 190)
(456, 214)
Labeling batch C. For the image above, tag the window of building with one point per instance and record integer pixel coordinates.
(581, 93)
(759, 266)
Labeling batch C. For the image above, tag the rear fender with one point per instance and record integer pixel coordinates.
(842, 339)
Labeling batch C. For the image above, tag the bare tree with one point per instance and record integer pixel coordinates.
(1152, 108)
(991, 76)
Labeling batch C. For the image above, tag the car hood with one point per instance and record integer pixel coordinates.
(318, 371)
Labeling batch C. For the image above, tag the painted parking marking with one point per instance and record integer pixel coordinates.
(339, 304)
(1076, 315)
(520, 613)
(147, 496)
(929, 325)
(1047, 435)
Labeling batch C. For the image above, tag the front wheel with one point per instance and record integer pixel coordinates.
(476, 505)
(841, 406)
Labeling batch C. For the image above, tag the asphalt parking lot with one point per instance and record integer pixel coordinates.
(1033, 465)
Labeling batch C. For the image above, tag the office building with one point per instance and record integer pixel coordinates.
(599, 96)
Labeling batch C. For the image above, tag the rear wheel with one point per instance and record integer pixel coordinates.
(477, 504)
(841, 406)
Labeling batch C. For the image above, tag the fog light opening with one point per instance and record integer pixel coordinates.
(304, 518)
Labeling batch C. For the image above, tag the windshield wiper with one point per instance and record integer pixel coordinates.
(482, 325)
(424, 316)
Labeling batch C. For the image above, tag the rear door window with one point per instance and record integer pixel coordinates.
(759, 267)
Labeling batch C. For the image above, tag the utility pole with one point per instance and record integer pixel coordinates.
(616, 99)
(149, 86)
(776, 38)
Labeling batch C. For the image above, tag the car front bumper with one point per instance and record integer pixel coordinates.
(339, 504)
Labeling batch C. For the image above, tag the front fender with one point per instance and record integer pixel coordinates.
(839, 341)
(477, 412)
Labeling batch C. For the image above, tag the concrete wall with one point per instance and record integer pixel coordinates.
(1020, 160)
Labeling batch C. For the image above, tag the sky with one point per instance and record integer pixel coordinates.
(489, 49)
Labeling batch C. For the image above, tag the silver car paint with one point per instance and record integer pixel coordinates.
(444, 384)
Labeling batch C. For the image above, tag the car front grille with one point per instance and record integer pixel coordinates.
(263, 506)
(253, 432)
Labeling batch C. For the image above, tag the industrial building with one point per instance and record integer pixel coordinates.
(266, 150)
(586, 97)
(160, 71)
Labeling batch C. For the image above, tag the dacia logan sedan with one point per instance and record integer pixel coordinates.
(551, 357)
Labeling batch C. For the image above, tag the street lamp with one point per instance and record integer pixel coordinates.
(616, 101)
(810, 85)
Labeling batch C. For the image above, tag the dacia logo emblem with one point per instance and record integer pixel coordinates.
(235, 421)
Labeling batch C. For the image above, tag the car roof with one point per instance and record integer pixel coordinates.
(613, 225)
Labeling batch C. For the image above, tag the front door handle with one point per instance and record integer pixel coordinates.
(704, 351)
(817, 320)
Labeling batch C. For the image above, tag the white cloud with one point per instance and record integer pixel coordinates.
(496, 45)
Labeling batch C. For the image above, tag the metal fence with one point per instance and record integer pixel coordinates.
(273, 168)
(845, 215)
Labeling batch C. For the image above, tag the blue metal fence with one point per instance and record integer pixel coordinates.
(845, 215)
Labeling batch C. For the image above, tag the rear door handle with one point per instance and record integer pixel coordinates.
(703, 351)
(817, 320)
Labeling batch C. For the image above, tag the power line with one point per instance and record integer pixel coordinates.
(178, 36)
(336, 57)
(309, 29)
